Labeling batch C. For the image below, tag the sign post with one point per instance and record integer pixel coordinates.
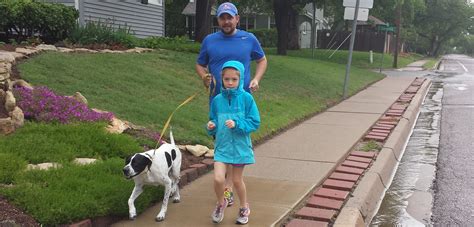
(386, 28)
(353, 6)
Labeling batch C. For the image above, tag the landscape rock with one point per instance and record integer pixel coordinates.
(6, 126)
(197, 150)
(46, 47)
(21, 83)
(79, 97)
(25, 51)
(7, 57)
(43, 166)
(18, 117)
(117, 126)
(10, 101)
(209, 153)
(84, 161)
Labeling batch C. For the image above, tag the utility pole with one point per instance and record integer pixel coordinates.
(313, 30)
(351, 47)
(398, 23)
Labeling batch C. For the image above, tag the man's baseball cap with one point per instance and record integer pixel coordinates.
(227, 7)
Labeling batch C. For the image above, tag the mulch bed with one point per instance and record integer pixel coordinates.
(12, 216)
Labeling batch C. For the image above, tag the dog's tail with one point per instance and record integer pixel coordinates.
(171, 136)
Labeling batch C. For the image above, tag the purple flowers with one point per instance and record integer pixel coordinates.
(42, 104)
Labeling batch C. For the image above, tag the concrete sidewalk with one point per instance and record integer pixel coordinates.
(289, 166)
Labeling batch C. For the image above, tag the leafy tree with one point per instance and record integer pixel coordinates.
(443, 20)
(203, 19)
(175, 21)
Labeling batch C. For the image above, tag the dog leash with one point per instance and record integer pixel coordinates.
(208, 90)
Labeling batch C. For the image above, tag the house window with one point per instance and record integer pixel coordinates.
(272, 22)
(155, 2)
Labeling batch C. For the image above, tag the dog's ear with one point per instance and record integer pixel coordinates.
(127, 159)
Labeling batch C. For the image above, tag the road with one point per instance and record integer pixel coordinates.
(454, 184)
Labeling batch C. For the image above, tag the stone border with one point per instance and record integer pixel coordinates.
(352, 193)
(367, 196)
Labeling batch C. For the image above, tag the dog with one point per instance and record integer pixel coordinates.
(155, 167)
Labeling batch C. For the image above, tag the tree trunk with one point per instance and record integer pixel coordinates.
(281, 9)
(203, 19)
(293, 31)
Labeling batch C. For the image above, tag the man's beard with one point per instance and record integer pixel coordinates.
(232, 30)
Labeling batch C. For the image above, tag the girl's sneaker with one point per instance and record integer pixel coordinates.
(229, 196)
(243, 217)
(218, 213)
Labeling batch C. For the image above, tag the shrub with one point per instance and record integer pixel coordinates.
(102, 33)
(10, 165)
(267, 37)
(52, 22)
(42, 104)
(176, 43)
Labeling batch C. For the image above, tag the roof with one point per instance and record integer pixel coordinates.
(190, 9)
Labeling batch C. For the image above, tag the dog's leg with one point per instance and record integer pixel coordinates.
(167, 183)
(137, 190)
(175, 187)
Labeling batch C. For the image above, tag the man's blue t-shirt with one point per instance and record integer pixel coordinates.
(217, 48)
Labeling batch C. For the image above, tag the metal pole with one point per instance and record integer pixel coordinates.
(383, 51)
(351, 47)
(313, 29)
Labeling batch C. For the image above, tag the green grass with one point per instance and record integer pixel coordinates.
(39, 143)
(430, 64)
(73, 193)
(359, 59)
(146, 88)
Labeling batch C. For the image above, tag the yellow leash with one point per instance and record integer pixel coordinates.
(182, 104)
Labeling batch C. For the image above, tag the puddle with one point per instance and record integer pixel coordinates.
(408, 200)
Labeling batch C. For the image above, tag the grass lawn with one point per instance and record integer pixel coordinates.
(72, 192)
(359, 59)
(145, 88)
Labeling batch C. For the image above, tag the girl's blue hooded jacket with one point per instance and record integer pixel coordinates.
(234, 146)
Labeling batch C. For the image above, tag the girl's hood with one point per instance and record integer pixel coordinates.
(240, 67)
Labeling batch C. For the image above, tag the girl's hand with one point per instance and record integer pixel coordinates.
(230, 124)
(211, 125)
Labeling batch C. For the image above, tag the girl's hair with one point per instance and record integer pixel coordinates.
(224, 69)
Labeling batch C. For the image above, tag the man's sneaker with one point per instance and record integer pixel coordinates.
(218, 213)
(229, 196)
(243, 217)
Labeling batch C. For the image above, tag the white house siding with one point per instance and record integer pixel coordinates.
(143, 19)
(65, 2)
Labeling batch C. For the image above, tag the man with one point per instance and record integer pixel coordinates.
(228, 44)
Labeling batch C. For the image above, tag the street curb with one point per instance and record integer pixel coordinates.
(368, 194)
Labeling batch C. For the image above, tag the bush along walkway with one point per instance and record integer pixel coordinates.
(351, 193)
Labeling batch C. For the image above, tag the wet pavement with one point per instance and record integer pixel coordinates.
(408, 201)
(434, 182)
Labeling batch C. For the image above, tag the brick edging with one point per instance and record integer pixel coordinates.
(330, 204)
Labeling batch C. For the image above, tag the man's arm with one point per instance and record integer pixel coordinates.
(204, 75)
(259, 71)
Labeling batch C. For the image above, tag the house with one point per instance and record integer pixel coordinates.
(252, 20)
(144, 17)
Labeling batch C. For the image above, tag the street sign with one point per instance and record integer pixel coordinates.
(386, 28)
(363, 14)
(367, 4)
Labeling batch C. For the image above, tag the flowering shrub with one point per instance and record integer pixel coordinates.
(42, 104)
